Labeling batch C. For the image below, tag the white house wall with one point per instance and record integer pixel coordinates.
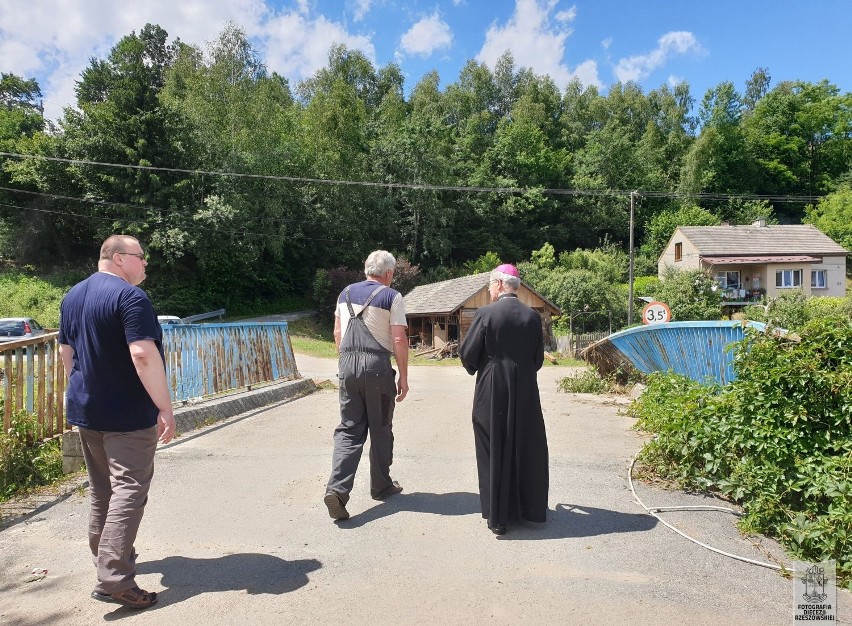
(689, 255)
(835, 276)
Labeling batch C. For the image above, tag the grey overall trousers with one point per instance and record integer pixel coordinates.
(367, 394)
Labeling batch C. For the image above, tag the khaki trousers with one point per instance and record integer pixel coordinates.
(120, 467)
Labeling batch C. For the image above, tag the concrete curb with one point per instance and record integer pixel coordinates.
(205, 413)
(188, 419)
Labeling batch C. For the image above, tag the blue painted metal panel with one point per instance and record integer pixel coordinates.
(693, 349)
(207, 359)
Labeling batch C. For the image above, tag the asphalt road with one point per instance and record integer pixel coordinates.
(235, 531)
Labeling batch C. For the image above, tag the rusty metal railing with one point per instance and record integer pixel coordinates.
(209, 359)
(33, 380)
(201, 361)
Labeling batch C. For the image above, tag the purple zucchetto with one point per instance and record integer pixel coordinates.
(509, 269)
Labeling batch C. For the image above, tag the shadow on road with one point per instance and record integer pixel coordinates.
(256, 573)
(563, 522)
(455, 503)
(571, 520)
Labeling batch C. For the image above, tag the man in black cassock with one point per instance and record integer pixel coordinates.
(504, 348)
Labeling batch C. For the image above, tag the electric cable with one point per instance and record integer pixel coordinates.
(429, 187)
(653, 511)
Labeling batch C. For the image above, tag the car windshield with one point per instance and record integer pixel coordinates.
(11, 329)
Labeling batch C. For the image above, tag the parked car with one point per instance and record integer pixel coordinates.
(170, 319)
(15, 328)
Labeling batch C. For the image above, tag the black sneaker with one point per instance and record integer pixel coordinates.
(394, 489)
(336, 508)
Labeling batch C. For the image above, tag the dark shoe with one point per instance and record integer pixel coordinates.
(133, 598)
(497, 529)
(336, 508)
(394, 489)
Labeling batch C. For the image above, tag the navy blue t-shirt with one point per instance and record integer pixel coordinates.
(99, 317)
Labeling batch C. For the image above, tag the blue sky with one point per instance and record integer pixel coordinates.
(598, 41)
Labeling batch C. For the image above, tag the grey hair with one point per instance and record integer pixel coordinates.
(379, 263)
(510, 283)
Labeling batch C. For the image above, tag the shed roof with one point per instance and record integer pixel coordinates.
(445, 296)
(794, 239)
(760, 260)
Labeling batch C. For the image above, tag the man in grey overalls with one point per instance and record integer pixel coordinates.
(369, 326)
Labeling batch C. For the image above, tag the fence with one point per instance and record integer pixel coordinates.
(571, 345)
(208, 359)
(33, 380)
(201, 360)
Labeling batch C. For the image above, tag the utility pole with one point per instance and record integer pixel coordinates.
(630, 266)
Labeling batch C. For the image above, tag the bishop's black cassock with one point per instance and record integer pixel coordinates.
(504, 348)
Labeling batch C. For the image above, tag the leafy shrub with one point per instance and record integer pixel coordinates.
(587, 381)
(778, 438)
(590, 381)
(646, 285)
(690, 294)
(22, 295)
(792, 310)
(25, 462)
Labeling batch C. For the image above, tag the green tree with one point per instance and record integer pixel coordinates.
(800, 135)
(833, 216)
(719, 160)
(484, 263)
(661, 227)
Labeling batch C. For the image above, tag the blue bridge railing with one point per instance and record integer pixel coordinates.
(697, 350)
(208, 359)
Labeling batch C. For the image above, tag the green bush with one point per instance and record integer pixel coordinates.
(690, 294)
(778, 439)
(587, 381)
(646, 285)
(590, 381)
(28, 296)
(26, 462)
(793, 310)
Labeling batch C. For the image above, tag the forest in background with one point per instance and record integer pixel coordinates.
(249, 192)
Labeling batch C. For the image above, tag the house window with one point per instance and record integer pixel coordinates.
(788, 279)
(819, 279)
(678, 251)
(729, 280)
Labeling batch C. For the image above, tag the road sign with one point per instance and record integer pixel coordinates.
(656, 313)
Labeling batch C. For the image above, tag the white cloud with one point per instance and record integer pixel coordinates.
(54, 41)
(362, 7)
(606, 43)
(638, 67)
(674, 80)
(297, 46)
(567, 16)
(536, 43)
(429, 34)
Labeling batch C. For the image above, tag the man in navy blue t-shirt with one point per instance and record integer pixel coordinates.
(118, 397)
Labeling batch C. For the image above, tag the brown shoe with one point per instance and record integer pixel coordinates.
(336, 508)
(133, 598)
(394, 489)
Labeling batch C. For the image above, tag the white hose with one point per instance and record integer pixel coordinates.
(652, 511)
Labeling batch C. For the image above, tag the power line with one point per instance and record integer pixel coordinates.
(146, 207)
(427, 187)
(197, 227)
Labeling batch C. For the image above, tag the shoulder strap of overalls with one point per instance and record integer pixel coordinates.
(352, 314)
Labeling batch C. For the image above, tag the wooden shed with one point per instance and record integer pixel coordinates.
(442, 312)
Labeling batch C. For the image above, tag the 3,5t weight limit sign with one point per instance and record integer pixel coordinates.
(656, 313)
